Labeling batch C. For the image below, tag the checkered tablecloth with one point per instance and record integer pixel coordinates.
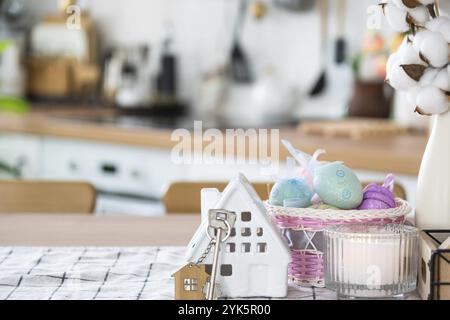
(101, 273)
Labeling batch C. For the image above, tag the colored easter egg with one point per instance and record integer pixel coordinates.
(376, 197)
(373, 195)
(291, 193)
(338, 186)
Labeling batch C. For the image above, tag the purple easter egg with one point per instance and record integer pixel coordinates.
(373, 204)
(389, 200)
(377, 188)
(376, 197)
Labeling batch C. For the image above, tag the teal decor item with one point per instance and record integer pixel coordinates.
(291, 193)
(338, 186)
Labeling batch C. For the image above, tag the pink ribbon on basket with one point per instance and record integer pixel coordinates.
(389, 182)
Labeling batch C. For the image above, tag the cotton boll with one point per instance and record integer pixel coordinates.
(392, 61)
(428, 77)
(411, 95)
(420, 15)
(427, 2)
(435, 49)
(400, 5)
(442, 80)
(436, 24)
(396, 75)
(445, 31)
(432, 100)
(419, 38)
(399, 80)
(441, 25)
(396, 17)
(407, 54)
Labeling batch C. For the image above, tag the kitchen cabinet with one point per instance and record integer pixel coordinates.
(22, 152)
(130, 179)
(113, 169)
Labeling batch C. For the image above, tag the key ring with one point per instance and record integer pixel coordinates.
(208, 227)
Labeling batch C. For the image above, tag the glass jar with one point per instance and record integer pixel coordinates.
(371, 261)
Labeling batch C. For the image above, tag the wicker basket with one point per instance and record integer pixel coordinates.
(304, 230)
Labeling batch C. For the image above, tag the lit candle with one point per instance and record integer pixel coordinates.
(371, 260)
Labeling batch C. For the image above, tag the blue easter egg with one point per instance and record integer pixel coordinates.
(338, 186)
(291, 193)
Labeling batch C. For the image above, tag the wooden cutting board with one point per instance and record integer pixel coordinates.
(356, 129)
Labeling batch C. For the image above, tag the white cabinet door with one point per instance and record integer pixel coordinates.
(111, 168)
(23, 153)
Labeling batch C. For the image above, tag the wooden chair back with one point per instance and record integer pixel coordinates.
(46, 197)
(184, 197)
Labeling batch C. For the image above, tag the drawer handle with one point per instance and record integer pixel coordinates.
(110, 169)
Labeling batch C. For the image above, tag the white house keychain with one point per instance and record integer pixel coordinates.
(255, 262)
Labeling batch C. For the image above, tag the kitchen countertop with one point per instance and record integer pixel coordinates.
(400, 154)
(90, 230)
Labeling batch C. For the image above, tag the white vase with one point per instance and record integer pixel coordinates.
(433, 190)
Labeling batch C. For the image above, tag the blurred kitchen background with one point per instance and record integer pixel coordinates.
(90, 90)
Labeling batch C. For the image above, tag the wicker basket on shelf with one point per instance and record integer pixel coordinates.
(304, 230)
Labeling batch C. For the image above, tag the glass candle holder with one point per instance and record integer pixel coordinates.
(371, 261)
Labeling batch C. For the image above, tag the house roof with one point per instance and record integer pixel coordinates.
(189, 265)
(241, 184)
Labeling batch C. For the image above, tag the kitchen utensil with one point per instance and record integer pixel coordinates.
(339, 74)
(134, 78)
(271, 98)
(341, 43)
(370, 101)
(12, 77)
(63, 63)
(321, 82)
(13, 10)
(167, 77)
(239, 63)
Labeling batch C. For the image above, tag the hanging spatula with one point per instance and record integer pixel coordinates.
(239, 63)
(321, 82)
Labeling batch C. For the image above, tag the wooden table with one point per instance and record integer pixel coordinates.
(85, 230)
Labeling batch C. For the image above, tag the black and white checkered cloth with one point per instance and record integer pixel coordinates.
(100, 273)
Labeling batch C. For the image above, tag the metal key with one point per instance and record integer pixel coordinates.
(221, 221)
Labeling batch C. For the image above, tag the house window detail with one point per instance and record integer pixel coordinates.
(246, 247)
(226, 270)
(233, 232)
(246, 232)
(261, 247)
(259, 232)
(190, 284)
(246, 216)
(231, 247)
